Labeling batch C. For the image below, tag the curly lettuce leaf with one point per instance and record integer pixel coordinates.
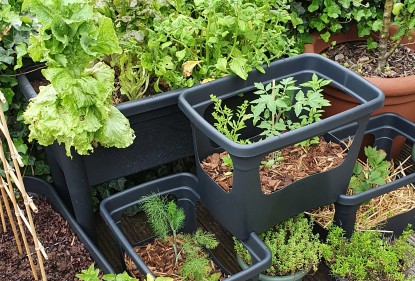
(116, 131)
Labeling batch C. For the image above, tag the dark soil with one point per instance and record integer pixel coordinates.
(159, 258)
(297, 164)
(356, 56)
(66, 254)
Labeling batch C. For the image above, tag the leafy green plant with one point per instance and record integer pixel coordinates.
(15, 29)
(92, 274)
(370, 16)
(75, 109)
(368, 255)
(276, 101)
(215, 38)
(293, 247)
(372, 174)
(166, 217)
(226, 123)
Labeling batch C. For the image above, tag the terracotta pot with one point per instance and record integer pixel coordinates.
(399, 92)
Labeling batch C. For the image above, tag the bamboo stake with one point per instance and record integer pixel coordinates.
(3, 220)
(22, 216)
(26, 198)
(10, 216)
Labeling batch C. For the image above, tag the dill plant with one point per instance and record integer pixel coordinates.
(166, 217)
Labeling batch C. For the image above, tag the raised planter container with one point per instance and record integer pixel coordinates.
(36, 186)
(384, 128)
(182, 186)
(163, 135)
(245, 208)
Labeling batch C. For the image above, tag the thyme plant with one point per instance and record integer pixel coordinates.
(293, 247)
(368, 255)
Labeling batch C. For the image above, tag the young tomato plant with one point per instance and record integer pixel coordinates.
(277, 101)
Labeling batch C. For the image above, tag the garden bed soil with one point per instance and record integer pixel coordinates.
(297, 164)
(356, 56)
(66, 254)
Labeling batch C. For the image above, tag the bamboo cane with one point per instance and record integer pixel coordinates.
(22, 216)
(3, 220)
(26, 200)
(10, 216)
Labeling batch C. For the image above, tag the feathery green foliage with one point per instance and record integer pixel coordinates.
(166, 217)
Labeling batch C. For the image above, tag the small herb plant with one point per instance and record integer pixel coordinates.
(368, 255)
(293, 247)
(92, 274)
(374, 173)
(166, 217)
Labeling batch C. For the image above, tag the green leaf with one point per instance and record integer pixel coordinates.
(239, 67)
(115, 126)
(221, 64)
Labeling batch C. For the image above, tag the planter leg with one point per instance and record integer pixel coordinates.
(78, 189)
(345, 217)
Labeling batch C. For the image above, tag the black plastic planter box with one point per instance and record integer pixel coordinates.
(384, 128)
(182, 186)
(163, 134)
(246, 209)
(36, 186)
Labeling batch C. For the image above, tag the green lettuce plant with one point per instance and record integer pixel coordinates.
(75, 108)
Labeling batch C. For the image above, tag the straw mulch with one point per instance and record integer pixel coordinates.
(373, 213)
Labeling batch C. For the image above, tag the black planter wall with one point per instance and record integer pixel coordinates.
(183, 187)
(245, 208)
(163, 135)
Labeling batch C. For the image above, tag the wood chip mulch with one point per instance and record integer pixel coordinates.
(296, 165)
(159, 258)
(67, 256)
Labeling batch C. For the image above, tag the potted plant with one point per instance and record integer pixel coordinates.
(167, 219)
(376, 182)
(294, 248)
(245, 208)
(368, 256)
(148, 54)
(386, 26)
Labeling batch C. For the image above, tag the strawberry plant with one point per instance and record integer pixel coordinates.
(372, 174)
